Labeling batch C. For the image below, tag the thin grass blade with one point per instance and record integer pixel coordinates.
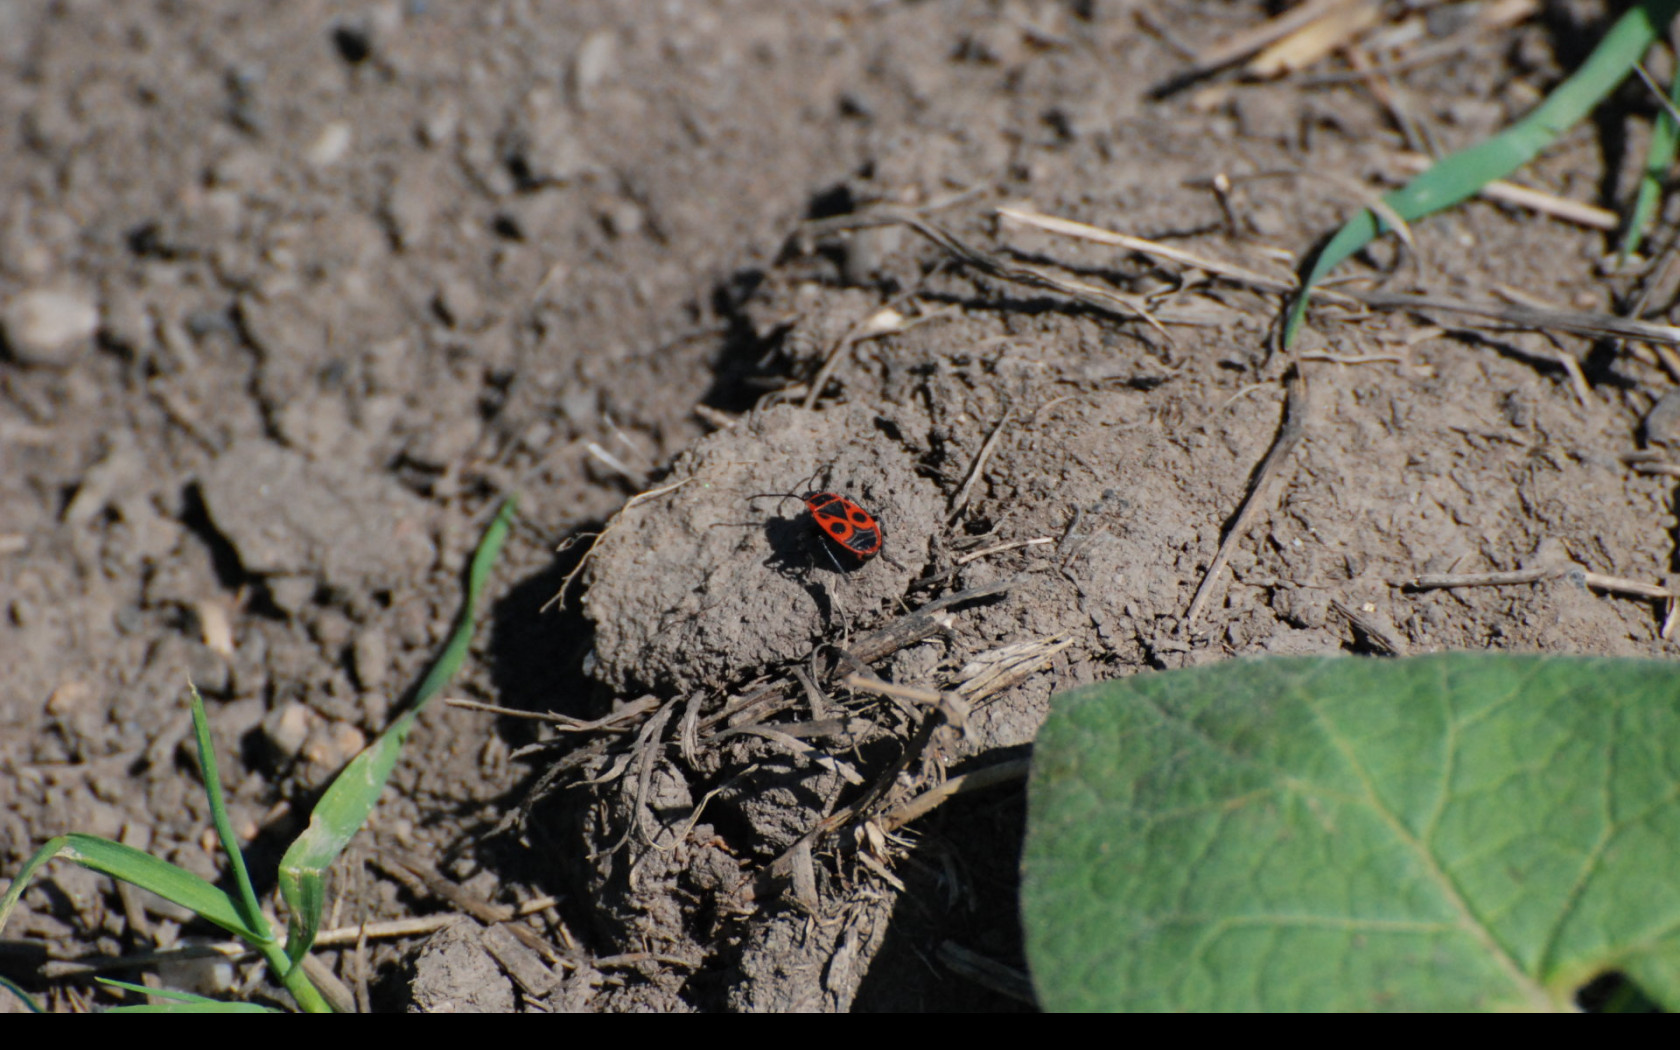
(1464, 173)
(345, 805)
(247, 899)
(1659, 159)
(178, 1002)
(24, 997)
(214, 1006)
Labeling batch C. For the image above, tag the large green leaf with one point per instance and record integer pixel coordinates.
(1457, 832)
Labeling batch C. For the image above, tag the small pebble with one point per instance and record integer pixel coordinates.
(209, 670)
(292, 592)
(331, 745)
(554, 147)
(1662, 423)
(596, 60)
(49, 327)
(286, 728)
(622, 219)
(376, 710)
(80, 886)
(330, 145)
(457, 301)
(208, 975)
(439, 125)
(128, 321)
(370, 656)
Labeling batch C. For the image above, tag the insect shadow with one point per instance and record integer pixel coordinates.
(798, 553)
(797, 548)
(794, 542)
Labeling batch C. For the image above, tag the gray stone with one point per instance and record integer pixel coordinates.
(456, 974)
(288, 516)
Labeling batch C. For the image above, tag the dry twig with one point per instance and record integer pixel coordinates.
(565, 584)
(933, 798)
(884, 320)
(1104, 299)
(974, 472)
(613, 723)
(1000, 548)
(1591, 324)
(1597, 581)
(1153, 249)
(1261, 493)
(1238, 46)
(1378, 632)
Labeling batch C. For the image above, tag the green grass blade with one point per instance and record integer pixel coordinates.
(178, 1002)
(143, 870)
(478, 574)
(20, 881)
(1461, 175)
(171, 883)
(173, 994)
(284, 965)
(1659, 158)
(345, 805)
(24, 997)
(212, 1006)
(247, 900)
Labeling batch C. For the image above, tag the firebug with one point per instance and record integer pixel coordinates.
(841, 521)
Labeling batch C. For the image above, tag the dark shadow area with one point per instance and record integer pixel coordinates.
(799, 552)
(353, 43)
(1611, 124)
(534, 651)
(958, 899)
(535, 645)
(742, 369)
(1613, 993)
(750, 363)
(224, 559)
(960, 910)
(1598, 365)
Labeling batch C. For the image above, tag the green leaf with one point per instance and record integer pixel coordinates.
(1455, 832)
(345, 805)
(1461, 175)
(141, 869)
